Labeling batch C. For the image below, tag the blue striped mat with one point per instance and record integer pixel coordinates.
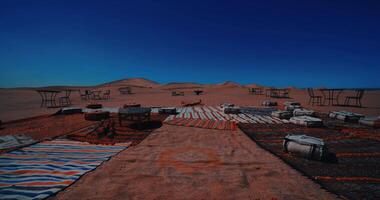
(43, 169)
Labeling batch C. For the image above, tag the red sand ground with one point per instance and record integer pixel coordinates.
(21, 103)
(46, 127)
(181, 162)
(191, 163)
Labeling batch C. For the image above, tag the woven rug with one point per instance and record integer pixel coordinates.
(204, 123)
(43, 169)
(203, 116)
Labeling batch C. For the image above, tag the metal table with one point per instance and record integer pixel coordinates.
(96, 94)
(48, 98)
(331, 95)
(257, 91)
(277, 93)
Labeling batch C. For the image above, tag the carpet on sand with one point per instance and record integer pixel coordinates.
(43, 169)
(215, 118)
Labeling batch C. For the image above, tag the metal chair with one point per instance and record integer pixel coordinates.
(314, 98)
(357, 98)
(65, 100)
(85, 95)
(107, 94)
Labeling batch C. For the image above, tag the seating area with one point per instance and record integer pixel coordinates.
(95, 95)
(125, 90)
(314, 99)
(331, 97)
(256, 91)
(49, 98)
(277, 93)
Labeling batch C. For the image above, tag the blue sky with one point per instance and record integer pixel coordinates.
(277, 43)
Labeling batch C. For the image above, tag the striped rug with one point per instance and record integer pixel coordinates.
(199, 123)
(43, 169)
(203, 116)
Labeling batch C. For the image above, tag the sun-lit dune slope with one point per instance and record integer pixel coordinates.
(227, 84)
(132, 82)
(185, 85)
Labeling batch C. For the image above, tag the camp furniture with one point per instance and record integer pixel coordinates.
(71, 110)
(306, 121)
(48, 98)
(356, 98)
(107, 94)
(137, 114)
(256, 91)
(291, 103)
(65, 100)
(269, 103)
(277, 93)
(226, 105)
(292, 107)
(170, 111)
(305, 146)
(86, 95)
(282, 114)
(125, 90)
(346, 116)
(96, 115)
(314, 98)
(96, 94)
(331, 96)
(303, 111)
(257, 110)
(370, 121)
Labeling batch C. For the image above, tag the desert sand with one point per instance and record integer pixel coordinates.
(24, 103)
(176, 162)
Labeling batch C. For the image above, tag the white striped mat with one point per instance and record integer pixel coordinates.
(217, 114)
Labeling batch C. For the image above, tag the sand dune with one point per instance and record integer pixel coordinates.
(226, 84)
(135, 82)
(175, 85)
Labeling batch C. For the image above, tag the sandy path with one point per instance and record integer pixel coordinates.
(190, 163)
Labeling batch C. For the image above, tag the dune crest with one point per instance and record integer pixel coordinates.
(133, 82)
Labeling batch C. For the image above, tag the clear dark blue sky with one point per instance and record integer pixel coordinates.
(280, 43)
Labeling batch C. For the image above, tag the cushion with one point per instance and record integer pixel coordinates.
(269, 103)
(346, 116)
(291, 103)
(68, 111)
(97, 115)
(282, 114)
(306, 121)
(291, 108)
(171, 110)
(302, 111)
(370, 121)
